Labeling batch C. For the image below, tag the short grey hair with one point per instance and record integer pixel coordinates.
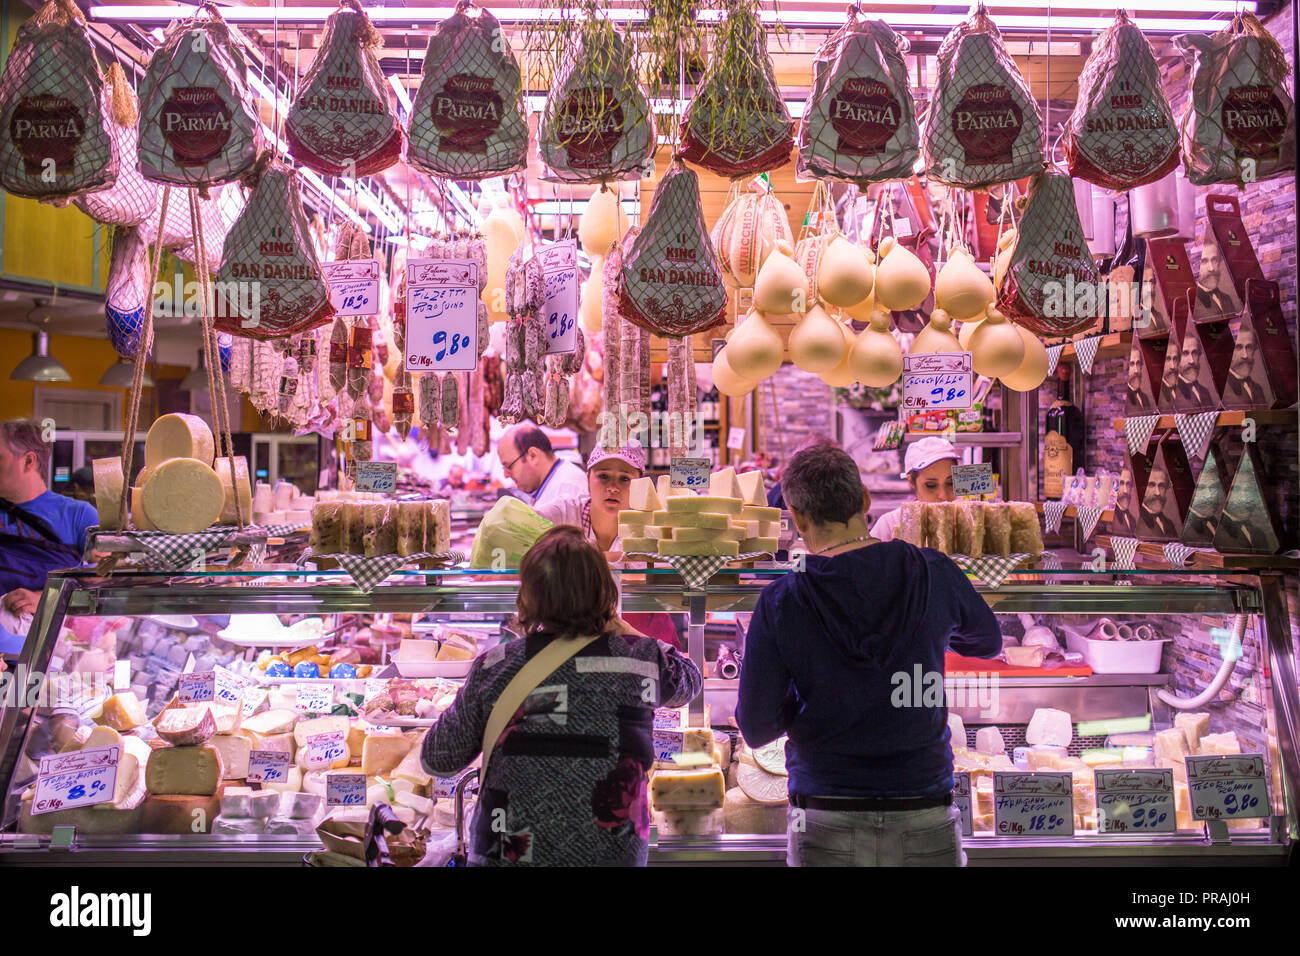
(821, 482)
(24, 435)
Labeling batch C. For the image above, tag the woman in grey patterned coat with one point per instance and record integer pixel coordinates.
(567, 781)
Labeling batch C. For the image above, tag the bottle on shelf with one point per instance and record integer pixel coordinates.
(1063, 438)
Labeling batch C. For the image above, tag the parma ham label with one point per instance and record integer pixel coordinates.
(865, 114)
(466, 111)
(196, 123)
(1254, 121)
(590, 125)
(46, 127)
(986, 122)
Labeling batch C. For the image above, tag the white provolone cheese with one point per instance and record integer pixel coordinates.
(179, 436)
(108, 490)
(182, 496)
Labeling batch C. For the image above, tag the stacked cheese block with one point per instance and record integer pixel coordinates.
(344, 524)
(180, 489)
(185, 777)
(972, 528)
(283, 504)
(687, 791)
(125, 813)
(732, 519)
(1190, 737)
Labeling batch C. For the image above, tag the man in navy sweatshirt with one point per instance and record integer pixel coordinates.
(870, 768)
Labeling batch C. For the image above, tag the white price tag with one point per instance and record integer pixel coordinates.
(1033, 804)
(1230, 787)
(354, 286)
(314, 698)
(690, 473)
(374, 688)
(376, 476)
(253, 698)
(194, 688)
(121, 674)
(77, 779)
(444, 788)
(560, 272)
(668, 718)
(345, 790)
(937, 380)
(1135, 801)
(324, 749)
(901, 227)
(441, 315)
(735, 438)
(976, 479)
(267, 766)
(228, 686)
(961, 797)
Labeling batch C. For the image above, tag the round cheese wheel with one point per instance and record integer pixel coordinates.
(139, 517)
(108, 491)
(179, 436)
(183, 496)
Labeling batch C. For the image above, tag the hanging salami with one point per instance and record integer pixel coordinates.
(131, 198)
(1121, 133)
(670, 283)
(198, 119)
(467, 121)
(1051, 282)
(269, 251)
(737, 124)
(55, 142)
(597, 124)
(859, 124)
(1239, 125)
(984, 127)
(341, 122)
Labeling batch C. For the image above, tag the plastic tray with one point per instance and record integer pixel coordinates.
(1119, 657)
(432, 668)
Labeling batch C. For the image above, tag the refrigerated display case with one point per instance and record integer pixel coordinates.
(178, 619)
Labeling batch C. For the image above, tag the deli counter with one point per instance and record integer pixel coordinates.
(1224, 642)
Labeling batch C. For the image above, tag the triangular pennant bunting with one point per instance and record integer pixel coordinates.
(1196, 431)
(1053, 512)
(1088, 518)
(1139, 429)
(1086, 349)
(1177, 554)
(1125, 549)
(1053, 356)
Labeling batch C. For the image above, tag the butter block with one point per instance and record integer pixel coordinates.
(1050, 726)
(713, 504)
(686, 789)
(1194, 727)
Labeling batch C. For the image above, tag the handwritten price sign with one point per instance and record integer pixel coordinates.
(444, 788)
(194, 688)
(324, 749)
(376, 476)
(228, 687)
(78, 779)
(345, 790)
(354, 286)
(314, 698)
(1231, 787)
(937, 380)
(1033, 804)
(1135, 801)
(560, 276)
(442, 315)
(690, 473)
(976, 479)
(268, 766)
(961, 797)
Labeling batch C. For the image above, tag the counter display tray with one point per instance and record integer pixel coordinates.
(955, 664)
(412, 669)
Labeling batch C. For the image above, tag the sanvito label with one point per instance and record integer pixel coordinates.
(865, 115)
(196, 122)
(987, 122)
(1254, 120)
(46, 127)
(466, 112)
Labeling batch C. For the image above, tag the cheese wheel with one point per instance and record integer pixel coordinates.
(222, 467)
(179, 436)
(138, 516)
(108, 490)
(183, 496)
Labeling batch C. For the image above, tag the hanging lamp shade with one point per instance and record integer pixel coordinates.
(120, 374)
(197, 379)
(40, 366)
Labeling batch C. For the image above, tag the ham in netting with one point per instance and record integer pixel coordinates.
(1051, 285)
(1121, 133)
(738, 124)
(270, 277)
(670, 283)
(1239, 126)
(130, 200)
(54, 139)
(341, 123)
(597, 125)
(467, 121)
(198, 119)
(859, 124)
(127, 293)
(984, 127)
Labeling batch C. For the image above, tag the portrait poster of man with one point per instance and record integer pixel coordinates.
(1178, 323)
(1202, 366)
(1262, 371)
(1170, 279)
(1216, 296)
(1250, 521)
(1237, 262)
(1212, 486)
(1141, 397)
(1168, 493)
(1129, 491)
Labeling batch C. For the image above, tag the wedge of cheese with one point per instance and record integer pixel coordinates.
(1171, 746)
(641, 545)
(234, 750)
(183, 496)
(635, 519)
(274, 721)
(381, 753)
(751, 488)
(1225, 743)
(728, 549)
(757, 513)
(664, 488)
(320, 725)
(705, 534)
(723, 484)
(190, 771)
(123, 711)
(642, 495)
(685, 519)
(1050, 726)
(229, 488)
(988, 740)
(1194, 727)
(108, 491)
(687, 789)
(179, 436)
(705, 503)
(755, 545)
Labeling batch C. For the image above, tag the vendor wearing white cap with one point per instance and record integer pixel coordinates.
(928, 469)
(609, 483)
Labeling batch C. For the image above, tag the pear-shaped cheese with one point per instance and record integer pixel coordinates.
(755, 351)
(996, 347)
(501, 240)
(816, 343)
(902, 280)
(861, 311)
(602, 223)
(845, 275)
(841, 376)
(727, 381)
(960, 288)
(936, 336)
(589, 308)
(1032, 371)
(876, 358)
(1006, 246)
(781, 288)
(967, 329)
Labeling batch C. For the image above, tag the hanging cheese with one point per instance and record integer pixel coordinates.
(841, 376)
(183, 496)
(756, 350)
(108, 491)
(602, 223)
(746, 233)
(1032, 371)
(727, 380)
(780, 287)
(222, 467)
(996, 347)
(816, 343)
(961, 289)
(178, 435)
(936, 336)
(592, 291)
(845, 275)
(902, 280)
(501, 239)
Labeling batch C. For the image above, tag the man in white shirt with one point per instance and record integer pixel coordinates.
(528, 459)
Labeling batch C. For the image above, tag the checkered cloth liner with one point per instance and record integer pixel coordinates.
(1139, 429)
(991, 569)
(1125, 549)
(1053, 357)
(1088, 518)
(178, 552)
(1051, 561)
(368, 573)
(697, 569)
(1086, 349)
(1195, 431)
(279, 530)
(1053, 512)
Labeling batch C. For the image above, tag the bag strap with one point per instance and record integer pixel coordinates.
(542, 665)
(35, 522)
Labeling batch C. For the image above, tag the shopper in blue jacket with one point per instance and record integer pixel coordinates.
(831, 659)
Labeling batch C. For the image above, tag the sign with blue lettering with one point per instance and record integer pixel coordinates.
(937, 380)
(442, 315)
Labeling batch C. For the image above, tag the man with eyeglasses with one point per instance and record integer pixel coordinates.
(531, 463)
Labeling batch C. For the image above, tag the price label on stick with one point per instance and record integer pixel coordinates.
(961, 797)
(690, 473)
(77, 779)
(442, 315)
(194, 688)
(735, 438)
(1135, 801)
(354, 286)
(324, 749)
(976, 479)
(345, 790)
(376, 476)
(560, 275)
(267, 766)
(937, 380)
(1033, 804)
(1228, 787)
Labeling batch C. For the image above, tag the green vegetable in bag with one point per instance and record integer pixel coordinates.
(506, 532)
